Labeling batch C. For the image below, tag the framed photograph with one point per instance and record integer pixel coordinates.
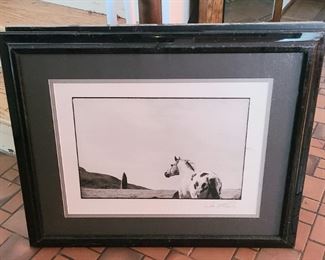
(163, 135)
(157, 139)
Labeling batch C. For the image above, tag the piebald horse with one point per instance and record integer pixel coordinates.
(202, 185)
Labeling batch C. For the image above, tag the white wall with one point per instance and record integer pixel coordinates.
(176, 11)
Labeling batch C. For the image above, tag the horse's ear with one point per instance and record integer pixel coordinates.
(176, 159)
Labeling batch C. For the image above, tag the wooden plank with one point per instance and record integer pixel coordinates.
(150, 12)
(277, 10)
(211, 11)
(36, 12)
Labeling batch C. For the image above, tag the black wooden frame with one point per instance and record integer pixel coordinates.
(249, 38)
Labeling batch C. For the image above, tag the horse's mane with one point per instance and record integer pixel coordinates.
(189, 164)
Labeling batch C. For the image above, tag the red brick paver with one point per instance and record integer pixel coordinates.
(98, 249)
(79, 253)
(278, 253)
(120, 253)
(213, 253)
(320, 115)
(303, 233)
(313, 251)
(318, 232)
(320, 173)
(46, 253)
(3, 216)
(174, 255)
(154, 252)
(184, 250)
(314, 188)
(245, 254)
(61, 257)
(310, 204)
(317, 143)
(307, 216)
(322, 210)
(321, 164)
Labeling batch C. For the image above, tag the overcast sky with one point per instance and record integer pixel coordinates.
(141, 137)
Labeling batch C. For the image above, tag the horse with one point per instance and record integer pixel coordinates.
(202, 185)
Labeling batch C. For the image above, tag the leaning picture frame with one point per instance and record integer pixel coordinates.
(163, 135)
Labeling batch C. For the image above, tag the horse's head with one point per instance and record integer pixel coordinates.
(173, 170)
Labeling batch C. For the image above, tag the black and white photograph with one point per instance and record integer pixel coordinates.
(161, 148)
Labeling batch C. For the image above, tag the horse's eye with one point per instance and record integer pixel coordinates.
(172, 165)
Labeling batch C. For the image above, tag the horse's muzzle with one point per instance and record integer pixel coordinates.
(167, 174)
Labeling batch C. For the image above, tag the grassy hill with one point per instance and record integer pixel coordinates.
(102, 181)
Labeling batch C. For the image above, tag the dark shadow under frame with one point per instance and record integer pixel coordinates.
(306, 39)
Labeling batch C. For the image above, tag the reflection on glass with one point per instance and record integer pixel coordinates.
(248, 10)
